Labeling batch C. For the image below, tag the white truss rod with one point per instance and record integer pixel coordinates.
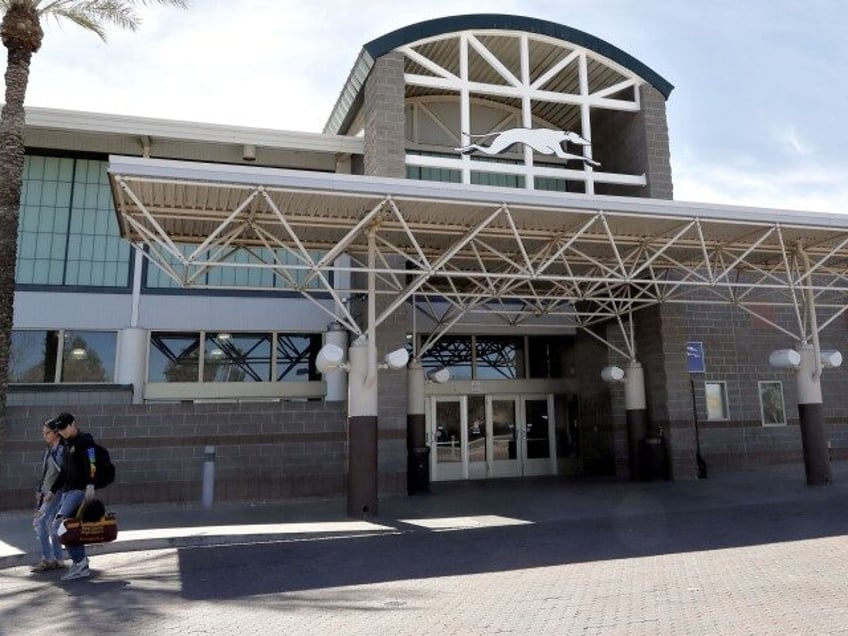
(668, 245)
(225, 223)
(790, 282)
(703, 244)
(556, 68)
(437, 334)
(614, 246)
(603, 340)
(154, 244)
(606, 92)
(347, 320)
(164, 235)
(409, 233)
(493, 61)
(836, 315)
(750, 249)
(821, 261)
(427, 63)
(519, 241)
(438, 264)
(214, 257)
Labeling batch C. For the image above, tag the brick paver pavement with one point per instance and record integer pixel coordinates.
(779, 567)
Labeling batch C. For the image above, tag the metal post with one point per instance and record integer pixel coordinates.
(811, 417)
(417, 452)
(208, 495)
(362, 434)
(636, 415)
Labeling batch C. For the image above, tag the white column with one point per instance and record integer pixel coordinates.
(336, 379)
(132, 360)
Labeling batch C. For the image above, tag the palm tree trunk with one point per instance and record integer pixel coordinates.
(12, 121)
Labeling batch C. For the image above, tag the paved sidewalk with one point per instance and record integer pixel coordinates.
(457, 505)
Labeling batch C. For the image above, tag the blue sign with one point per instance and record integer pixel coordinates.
(695, 357)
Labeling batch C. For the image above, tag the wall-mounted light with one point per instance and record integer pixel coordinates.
(79, 353)
(612, 374)
(785, 359)
(831, 359)
(330, 358)
(248, 152)
(439, 376)
(396, 359)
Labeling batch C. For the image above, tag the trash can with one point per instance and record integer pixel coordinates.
(652, 459)
(418, 470)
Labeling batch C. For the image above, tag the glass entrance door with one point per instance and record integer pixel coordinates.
(448, 438)
(539, 449)
(503, 433)
(477, 437)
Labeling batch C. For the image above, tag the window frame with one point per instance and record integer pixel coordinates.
(725, 402)
(761, 384)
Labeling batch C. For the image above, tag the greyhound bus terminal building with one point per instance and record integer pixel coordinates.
(477, 270)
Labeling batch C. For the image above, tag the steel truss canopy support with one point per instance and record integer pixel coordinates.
(471, 254)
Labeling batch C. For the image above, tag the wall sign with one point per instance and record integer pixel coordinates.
(695, 357)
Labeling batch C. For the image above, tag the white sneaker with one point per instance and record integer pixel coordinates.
(78, 571)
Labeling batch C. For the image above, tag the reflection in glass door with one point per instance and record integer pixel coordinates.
(539, 452)
(503, 432)
(449, 439)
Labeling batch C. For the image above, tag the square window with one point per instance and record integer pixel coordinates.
(772, 407)
(716, 398)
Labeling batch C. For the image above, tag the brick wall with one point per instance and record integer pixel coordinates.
(263, 451)
(384, 118)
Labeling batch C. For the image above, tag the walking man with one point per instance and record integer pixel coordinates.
(77, 484)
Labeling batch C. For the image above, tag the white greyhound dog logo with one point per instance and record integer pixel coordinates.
(543, 140)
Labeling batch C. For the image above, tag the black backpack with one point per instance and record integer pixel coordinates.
(104, 473)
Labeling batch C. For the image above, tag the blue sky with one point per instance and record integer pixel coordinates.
(757, 116)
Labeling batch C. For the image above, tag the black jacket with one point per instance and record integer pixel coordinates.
(76, 467)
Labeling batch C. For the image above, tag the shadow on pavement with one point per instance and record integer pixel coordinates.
(236, 571)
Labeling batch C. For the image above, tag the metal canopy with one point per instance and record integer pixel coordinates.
(466, 251)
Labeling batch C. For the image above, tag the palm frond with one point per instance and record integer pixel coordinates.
(96, 15)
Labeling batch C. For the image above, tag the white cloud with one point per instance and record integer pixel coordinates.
(750, 101)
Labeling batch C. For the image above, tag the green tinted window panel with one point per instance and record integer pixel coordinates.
(68, 227)
(551, 184)
(497, 179)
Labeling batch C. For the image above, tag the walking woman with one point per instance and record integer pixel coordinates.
(47, 503)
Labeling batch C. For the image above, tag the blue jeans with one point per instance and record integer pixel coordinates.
(71, 500)
(45, 529)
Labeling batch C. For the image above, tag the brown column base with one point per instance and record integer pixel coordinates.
(816, 460)
(417, 455)
(637, 423)
(362, 466)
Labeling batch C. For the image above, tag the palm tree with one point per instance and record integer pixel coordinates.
(21, 33)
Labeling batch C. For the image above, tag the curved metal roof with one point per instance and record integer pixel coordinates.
(351, 94)
(480, 21)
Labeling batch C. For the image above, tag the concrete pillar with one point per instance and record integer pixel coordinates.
(636, 414)
(361, 434)
(131, 365)
(384, 125)
(417, 452)
(811, 416)
(336, 379)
